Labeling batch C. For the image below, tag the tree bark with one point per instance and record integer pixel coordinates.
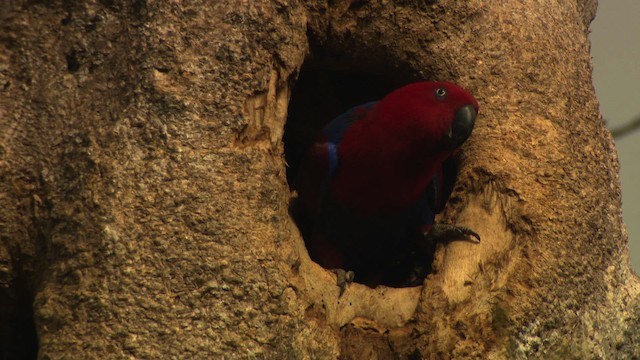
(144, 197)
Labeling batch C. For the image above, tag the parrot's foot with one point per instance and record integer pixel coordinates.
(445, 232)
(343, 279)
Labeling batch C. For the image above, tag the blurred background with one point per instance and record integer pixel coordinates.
(615, 47)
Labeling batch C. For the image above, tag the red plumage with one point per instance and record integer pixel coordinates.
(388, 158)
(370, 184)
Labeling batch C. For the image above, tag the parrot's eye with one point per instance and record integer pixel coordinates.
(441, 93)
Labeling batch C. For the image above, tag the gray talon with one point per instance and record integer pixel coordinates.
(445, 232)
(343, 278)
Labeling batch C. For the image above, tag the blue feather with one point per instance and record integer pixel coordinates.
(336, 128)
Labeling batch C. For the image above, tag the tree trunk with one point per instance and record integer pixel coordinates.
(144, 197)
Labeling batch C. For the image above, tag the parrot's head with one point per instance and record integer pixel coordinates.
(438, 115)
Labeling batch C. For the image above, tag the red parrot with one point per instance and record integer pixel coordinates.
(370, 187)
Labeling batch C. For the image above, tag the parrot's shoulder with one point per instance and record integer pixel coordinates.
(322, 158)
(335, 129)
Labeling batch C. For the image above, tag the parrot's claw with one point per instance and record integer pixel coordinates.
(343, 278)
(445, 232)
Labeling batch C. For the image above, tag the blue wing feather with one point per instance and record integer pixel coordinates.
(334, 130)
(322, 158)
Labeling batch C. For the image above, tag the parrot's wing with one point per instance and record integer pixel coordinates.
(334, 130)
(322, 159)
(437, 192)
(442, 184)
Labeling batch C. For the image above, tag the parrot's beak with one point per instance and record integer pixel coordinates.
(461, 127)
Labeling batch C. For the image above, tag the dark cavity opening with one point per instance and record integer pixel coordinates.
(18, 337)
(73, 64)
(320, 94)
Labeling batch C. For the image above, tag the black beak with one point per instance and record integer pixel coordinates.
(461, 127)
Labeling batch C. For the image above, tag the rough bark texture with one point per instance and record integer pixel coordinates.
(143, 194)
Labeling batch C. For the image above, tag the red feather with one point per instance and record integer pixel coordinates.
(388, 158)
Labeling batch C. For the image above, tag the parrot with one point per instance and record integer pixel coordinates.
(373, 181)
